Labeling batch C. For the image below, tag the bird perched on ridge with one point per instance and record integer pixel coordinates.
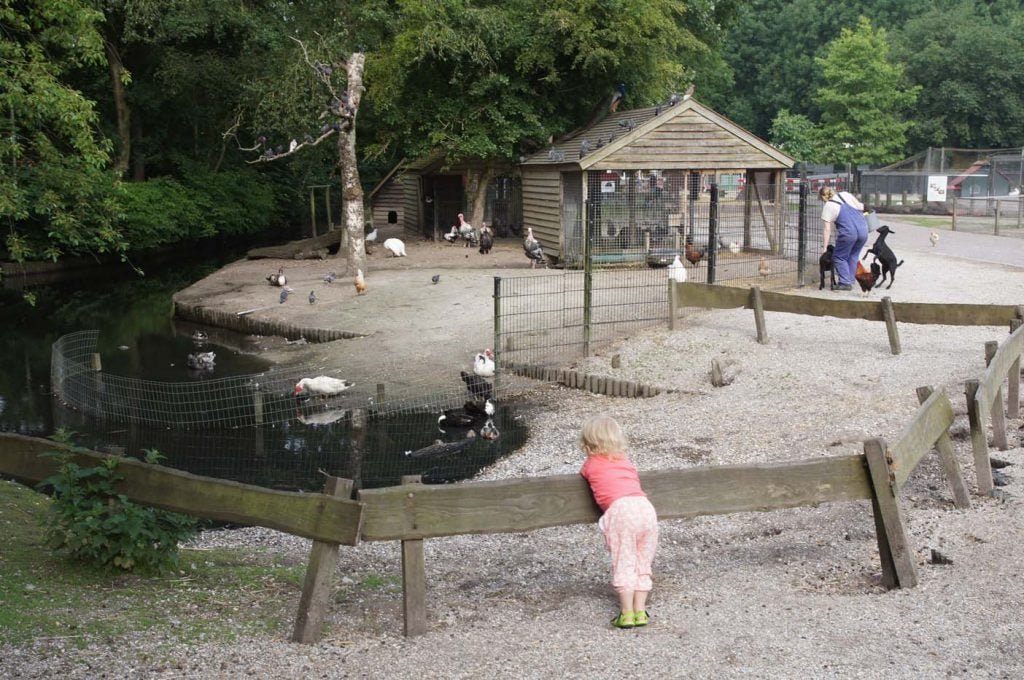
(483, 364)
(533, 249)
(360, 282)
(934, 238)
(312, 297)
(395, 246)
(435, 278)
(486, 239)
(277, 279)
(322, 385)
(677, 271)
(620, 94)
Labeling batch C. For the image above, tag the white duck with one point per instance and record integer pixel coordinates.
(396, 246)
(322, 385)
(483, 364)
(677, 271)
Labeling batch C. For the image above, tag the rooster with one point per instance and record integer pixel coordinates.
(360, 282)
(692, 253)
(532, 248)
(483, 364)
(867, 278)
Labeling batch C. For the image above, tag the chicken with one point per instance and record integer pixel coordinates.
(360, 282)
(372, 236)
(483, 364)
(322, 385)
(677, 271)
(452, 236)
(732, 246)
(762, 268)
(466, 231)
(692, 253)
(277, 279)
(396, 246)
(934, 238)
(867, 278)
(533, 249)
(486, 239)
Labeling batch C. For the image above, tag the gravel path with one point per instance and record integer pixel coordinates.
(793, 593)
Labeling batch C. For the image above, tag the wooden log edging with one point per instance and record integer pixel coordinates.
(256, 326)
(588, 382)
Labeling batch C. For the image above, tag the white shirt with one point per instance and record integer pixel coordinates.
(830, 211)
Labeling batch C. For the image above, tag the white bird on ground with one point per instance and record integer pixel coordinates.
(372, 236)
(934, 238)
(396, 246)
(322, 385)
(483, 364)
(677, 271)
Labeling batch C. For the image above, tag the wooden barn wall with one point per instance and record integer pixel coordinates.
(390, 197)
(688, 142)
(411, 203)
(542, 206)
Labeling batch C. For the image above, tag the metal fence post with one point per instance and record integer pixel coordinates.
(801, 230)
(497, 333)
(588, 284)
(713, 233)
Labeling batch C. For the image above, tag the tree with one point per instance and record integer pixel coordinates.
(57, 194)
(795, 134)
(864, 98)
(473, 80)
(969, 62)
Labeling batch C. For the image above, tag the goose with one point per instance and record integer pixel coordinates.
(322, 385)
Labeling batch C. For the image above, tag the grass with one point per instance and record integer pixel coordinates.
(217, 596)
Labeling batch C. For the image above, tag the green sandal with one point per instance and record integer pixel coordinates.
(640, 618)
(624, 620)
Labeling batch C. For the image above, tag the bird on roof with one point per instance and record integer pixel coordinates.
(620, 94)
(689, 91)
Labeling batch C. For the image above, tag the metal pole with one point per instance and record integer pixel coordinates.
(713, 233)
(497, 333)
(801, 229)
(588, 282)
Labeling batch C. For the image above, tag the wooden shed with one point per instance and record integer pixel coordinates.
(387, 199)
(640, 179)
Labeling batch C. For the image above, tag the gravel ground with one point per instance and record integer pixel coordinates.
(793, 593)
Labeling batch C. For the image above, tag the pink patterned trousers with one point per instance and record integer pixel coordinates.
(630, 528)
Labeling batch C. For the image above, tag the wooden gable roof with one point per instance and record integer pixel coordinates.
(687, 136)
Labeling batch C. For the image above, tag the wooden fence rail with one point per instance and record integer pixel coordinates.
(413, 512)
(985, 396)
(725, 297)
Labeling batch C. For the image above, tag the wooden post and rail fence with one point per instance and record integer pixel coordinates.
(413, 512)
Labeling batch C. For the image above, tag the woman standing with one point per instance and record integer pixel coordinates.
(847, 214)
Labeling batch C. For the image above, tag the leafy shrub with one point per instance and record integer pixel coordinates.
(89, 521)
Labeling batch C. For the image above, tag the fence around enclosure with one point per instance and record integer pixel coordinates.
(758, 236)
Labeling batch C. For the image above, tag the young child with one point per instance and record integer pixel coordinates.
(629, 522)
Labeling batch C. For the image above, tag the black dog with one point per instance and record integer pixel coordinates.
(825, 264)
(883, 254)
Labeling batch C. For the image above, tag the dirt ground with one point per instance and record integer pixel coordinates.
(453, 317)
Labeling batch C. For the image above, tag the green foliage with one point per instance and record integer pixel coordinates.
(795, 134)
(969, 61)
(90, 521)
(56, 194)
(864, 99)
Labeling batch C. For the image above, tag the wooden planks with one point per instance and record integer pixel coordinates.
(517, 505)
(313, 516)
(918, 437)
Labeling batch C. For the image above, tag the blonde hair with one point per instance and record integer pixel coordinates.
(826, 193)
(602, 436)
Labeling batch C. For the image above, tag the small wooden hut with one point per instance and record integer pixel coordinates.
(640, 179)
(387, 199)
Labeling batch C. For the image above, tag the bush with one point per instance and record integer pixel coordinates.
(89, 521)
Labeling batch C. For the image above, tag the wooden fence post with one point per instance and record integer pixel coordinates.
(889, 314)
(757, 304)
(414, 578)
(897, 563)
(316, 589)
(998, 414)
(979, 439)
(947, 457)
(1013, 384)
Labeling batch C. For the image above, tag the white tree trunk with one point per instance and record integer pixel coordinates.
(351, 188)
